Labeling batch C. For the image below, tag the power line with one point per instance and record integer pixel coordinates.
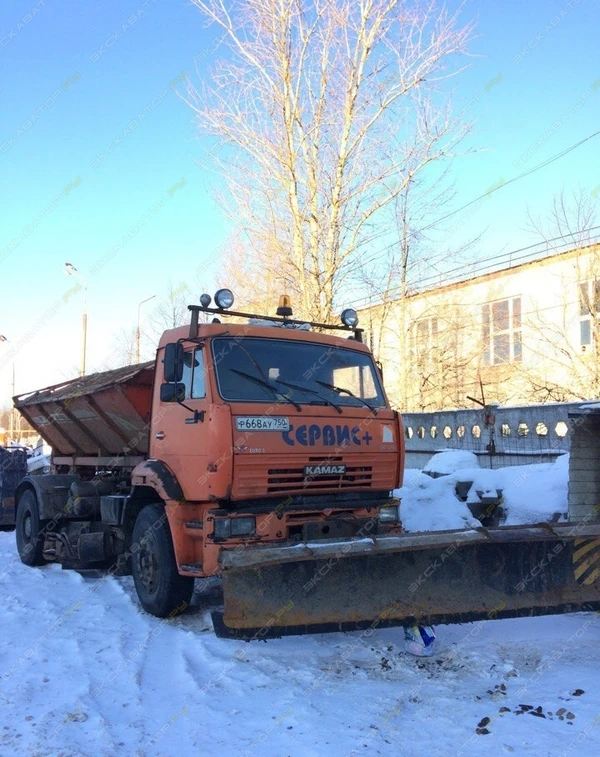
(489, 192)
(492, 267)
(541, 165)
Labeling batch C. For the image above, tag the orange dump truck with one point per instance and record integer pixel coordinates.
(263, 450)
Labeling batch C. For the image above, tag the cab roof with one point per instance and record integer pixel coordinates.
(206, 330)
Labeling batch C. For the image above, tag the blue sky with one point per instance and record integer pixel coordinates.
(67, 195)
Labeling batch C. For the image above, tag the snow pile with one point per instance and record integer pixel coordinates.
(590, 406)
(451, 460)
(40, 459)
(533, 493)
(430, 504)
(39, 462)
(536, 493)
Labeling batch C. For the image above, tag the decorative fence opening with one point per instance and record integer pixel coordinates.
(499, 436)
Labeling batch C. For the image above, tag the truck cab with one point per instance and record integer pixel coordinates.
(274, 433)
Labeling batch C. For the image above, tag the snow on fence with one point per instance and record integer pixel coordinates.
(499, 436)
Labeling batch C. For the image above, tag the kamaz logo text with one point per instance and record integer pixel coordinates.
(324, 470)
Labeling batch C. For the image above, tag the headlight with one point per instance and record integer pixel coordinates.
(349, 317)
(205, 300)
(226, 528)
(224, 299)
(389, 514)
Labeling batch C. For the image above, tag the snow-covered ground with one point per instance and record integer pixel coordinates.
(86, 673)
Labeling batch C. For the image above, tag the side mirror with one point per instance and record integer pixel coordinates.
(173, 362)
(172, 392)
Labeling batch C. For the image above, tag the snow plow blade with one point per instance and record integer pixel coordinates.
(429, 578)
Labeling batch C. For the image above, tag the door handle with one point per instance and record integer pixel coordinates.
(159, 435)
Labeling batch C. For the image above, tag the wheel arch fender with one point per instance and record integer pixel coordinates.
(156, 475)
(51, 491)
(153, 481)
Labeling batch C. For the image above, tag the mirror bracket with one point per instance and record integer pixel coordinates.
(197, 416)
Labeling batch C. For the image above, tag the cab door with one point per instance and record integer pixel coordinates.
(178, 429)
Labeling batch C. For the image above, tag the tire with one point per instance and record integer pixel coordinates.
(29, 530)
(161, 590)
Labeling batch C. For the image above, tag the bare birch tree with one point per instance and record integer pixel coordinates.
(566, 342)
(430, 352)
(257, 278)
(122, 350)
(324, 110)
(572, 219)
(170, 310)
(423, 248)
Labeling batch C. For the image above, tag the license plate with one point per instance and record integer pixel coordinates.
(324, 469)
(262, 423)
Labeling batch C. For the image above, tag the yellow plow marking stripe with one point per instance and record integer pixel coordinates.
(592, 577)
(579, 553)
(586, 564)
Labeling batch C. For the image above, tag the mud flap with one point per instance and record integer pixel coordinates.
(428, 578)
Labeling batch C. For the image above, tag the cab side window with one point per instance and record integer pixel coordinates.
(193, 375)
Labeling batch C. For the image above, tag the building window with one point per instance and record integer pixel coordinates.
(425, 337)
(501, 331)
(589, 305)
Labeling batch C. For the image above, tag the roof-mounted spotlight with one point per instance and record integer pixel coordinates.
(205, 300)
(349, 318)
(224, 299)
(285, 306)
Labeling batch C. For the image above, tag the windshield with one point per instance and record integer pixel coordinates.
(260, 370)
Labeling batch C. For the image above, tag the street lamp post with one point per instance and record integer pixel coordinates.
(12, 407)
(137, 331)
(70, 270)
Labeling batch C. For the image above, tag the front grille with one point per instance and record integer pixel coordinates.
(292, 479)
(257, 476)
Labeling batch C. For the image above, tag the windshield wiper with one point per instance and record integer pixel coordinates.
(341, 390)
(262, 382)
(310, 391)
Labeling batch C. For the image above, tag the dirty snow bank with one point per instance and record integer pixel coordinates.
(531, 493)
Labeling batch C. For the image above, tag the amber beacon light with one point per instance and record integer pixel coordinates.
(285, 306)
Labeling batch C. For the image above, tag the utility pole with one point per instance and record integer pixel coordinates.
(138, 331)
(11, 417)
(70, 270)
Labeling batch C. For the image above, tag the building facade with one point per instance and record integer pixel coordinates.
(526, 333)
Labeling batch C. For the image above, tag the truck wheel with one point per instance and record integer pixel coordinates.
(29, 530)
(160, 588)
